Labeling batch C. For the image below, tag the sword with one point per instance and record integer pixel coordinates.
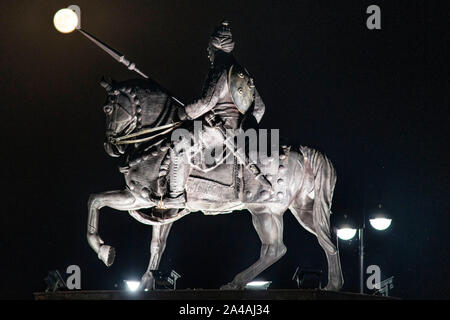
(248, 164)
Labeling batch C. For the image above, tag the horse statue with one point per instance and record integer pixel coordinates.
(303, 181)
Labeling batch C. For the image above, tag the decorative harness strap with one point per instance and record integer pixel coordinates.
(126, 138)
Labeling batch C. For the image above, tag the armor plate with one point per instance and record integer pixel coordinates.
(241, 87)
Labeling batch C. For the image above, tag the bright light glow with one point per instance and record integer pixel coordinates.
(380, 223)
(132, 285)
(346, 233)
(263, 285)
(65, 20)
(258, 283)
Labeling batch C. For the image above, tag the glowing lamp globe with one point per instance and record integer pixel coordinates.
(380, 223)
(65, 20)
(346, 233)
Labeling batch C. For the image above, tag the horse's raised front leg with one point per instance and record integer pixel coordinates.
(157, 246)
(120, 200)
(269, 227)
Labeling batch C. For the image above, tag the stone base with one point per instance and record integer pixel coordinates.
(200, 294)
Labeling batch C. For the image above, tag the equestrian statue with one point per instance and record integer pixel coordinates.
(168, 178)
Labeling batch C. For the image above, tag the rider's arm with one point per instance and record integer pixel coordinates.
(260, 107)
(209, 98)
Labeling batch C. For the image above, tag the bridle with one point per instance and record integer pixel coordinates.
(128, 138)
(136, 137)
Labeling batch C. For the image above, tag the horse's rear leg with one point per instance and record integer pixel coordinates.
(120, 200)
(304, 214)
(269, 227)
(157, 246)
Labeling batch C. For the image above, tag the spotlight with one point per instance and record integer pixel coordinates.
(307, 279)
(258, 285)
(384, 286)
(54, 281)
(132, 285)
(166, 280)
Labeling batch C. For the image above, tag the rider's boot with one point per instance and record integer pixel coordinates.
(178, 174)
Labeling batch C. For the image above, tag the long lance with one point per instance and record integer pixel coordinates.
(119, 57)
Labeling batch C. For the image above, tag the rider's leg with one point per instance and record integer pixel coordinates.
(178, 173)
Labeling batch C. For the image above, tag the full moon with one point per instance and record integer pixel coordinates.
(65, 20)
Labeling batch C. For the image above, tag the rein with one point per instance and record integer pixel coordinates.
(126, 139)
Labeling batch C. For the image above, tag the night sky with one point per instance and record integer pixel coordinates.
(375, 102)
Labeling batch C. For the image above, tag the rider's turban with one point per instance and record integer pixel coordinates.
(222, 38)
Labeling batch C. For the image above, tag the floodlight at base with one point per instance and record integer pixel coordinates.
(380, 223)
(132, 285)
(346, 233)
(65, 20)
(258, 285)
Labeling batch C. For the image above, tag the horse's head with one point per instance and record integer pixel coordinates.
(132, 105)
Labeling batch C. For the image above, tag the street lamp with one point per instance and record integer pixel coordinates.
(379, 221)
(346, 233)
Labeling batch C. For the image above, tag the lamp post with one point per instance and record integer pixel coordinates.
(361, 258)
(378, 221)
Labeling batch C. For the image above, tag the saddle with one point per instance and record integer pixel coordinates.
(231, 183)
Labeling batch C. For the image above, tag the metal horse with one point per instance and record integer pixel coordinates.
(304, 183)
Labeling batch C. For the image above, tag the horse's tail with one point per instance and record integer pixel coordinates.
(324, 182)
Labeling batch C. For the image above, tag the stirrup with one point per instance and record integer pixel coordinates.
(161, 203)
(167, 202)
(158, 200)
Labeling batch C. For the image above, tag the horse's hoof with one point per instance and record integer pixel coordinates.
(107, 254)
(332, 287)
(147, 283)
(94, 240)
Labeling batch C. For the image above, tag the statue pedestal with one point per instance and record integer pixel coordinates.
(200, 294)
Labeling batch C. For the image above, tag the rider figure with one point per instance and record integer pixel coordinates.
(222, 101)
